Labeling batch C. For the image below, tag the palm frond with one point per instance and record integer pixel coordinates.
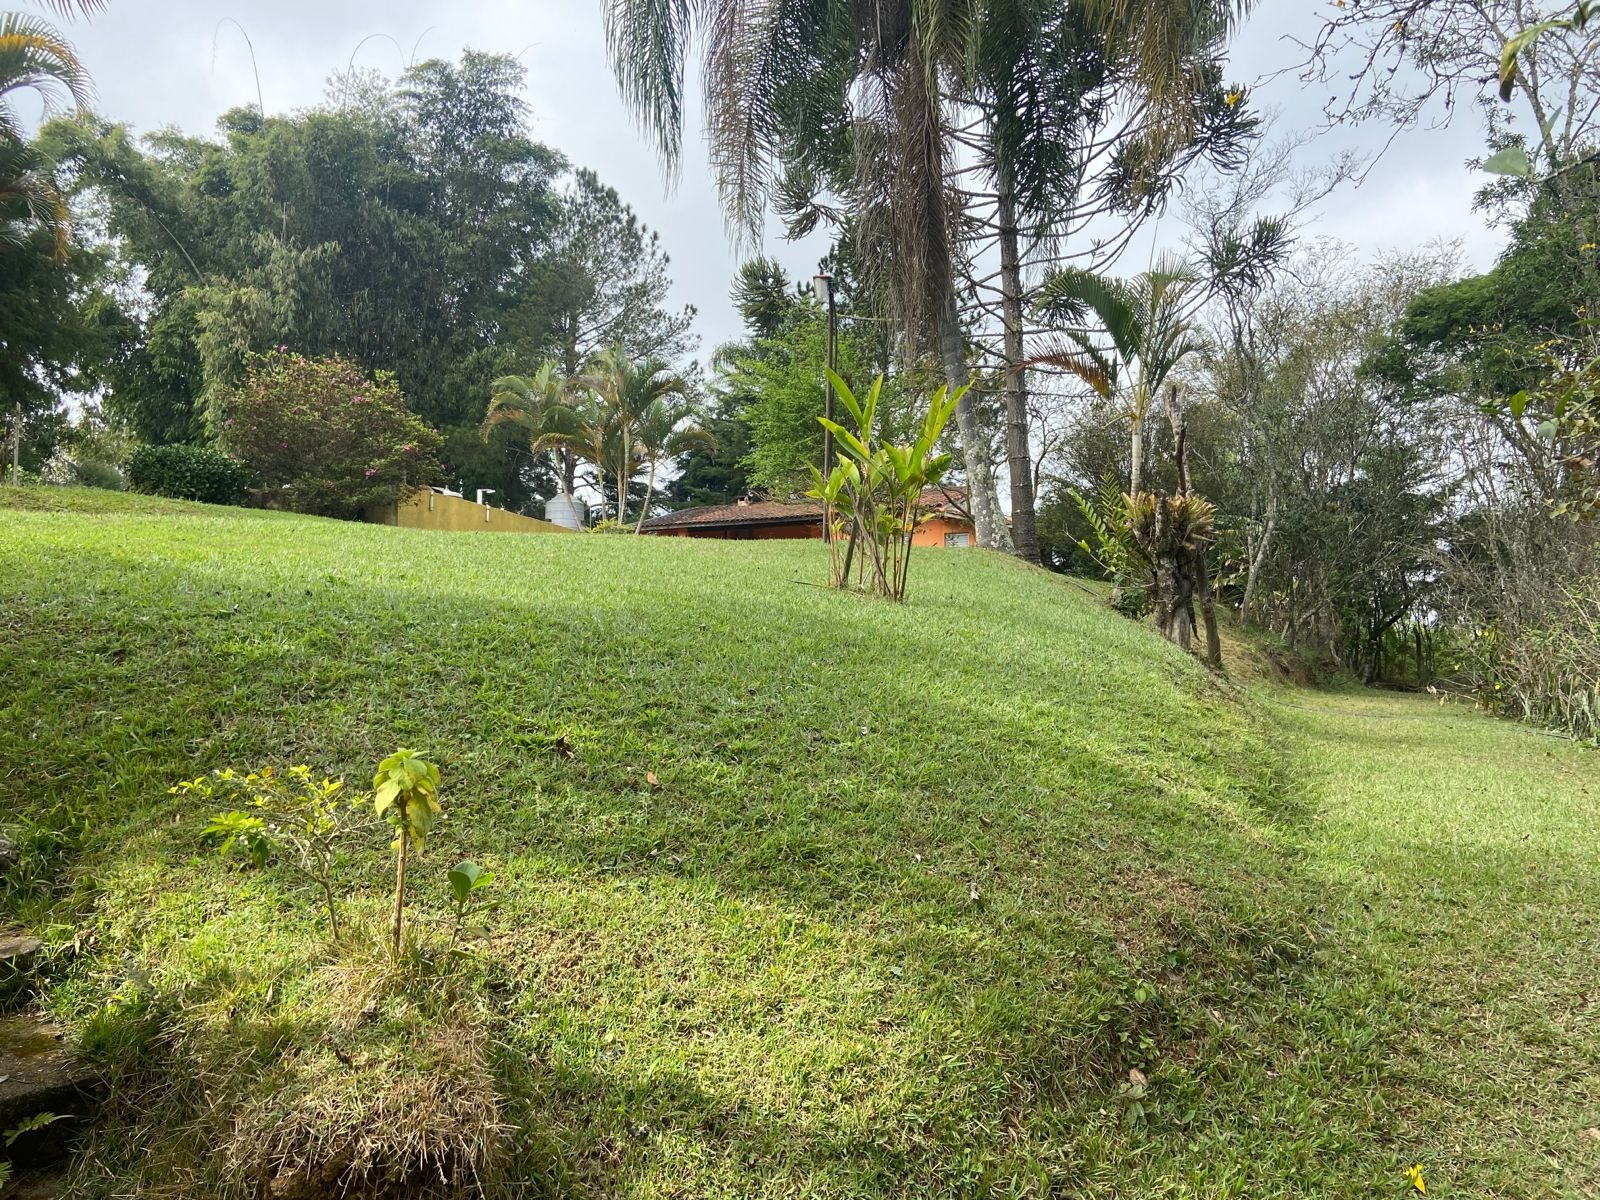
(34, 55)
(1072, 295)
(1077, 356)
(648, 43)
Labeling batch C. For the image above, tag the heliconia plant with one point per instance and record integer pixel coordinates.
(871, 495)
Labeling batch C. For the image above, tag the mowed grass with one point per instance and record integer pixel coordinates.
(989, 894)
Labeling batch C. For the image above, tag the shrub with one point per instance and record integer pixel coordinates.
(93, 474)
(326, 438)
(188, 473)
(874, 491)
(282, 811)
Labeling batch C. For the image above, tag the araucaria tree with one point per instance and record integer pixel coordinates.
(856, 101)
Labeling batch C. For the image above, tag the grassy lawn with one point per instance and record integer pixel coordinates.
(992, 894)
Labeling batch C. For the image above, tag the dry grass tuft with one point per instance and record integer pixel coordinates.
(423, 1120)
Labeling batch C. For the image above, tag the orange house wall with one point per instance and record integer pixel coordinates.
(932, 531)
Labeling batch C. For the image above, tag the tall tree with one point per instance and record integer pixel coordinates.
(1054, 148)
(797, 90)
(788, 77)
(401, 232)
(603, 280)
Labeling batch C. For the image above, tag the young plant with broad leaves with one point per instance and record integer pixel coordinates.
(871, 497)
(406, 794)
(467, 879)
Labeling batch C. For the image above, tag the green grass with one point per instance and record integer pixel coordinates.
(916, 890)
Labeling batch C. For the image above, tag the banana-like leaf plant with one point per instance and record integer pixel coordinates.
(871, 497)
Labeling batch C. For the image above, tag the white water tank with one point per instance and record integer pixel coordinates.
(561, 509)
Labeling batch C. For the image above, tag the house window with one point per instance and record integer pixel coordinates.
(958, 539)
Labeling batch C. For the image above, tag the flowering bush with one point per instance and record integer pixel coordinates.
(323, 437)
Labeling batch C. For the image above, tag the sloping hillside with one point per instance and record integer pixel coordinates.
(798, 893)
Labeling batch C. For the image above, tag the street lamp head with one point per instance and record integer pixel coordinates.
(822, 286)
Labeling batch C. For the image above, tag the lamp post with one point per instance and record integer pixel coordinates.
(822, 288)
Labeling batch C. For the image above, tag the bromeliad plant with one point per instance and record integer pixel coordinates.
(871, 496)
(406, 794)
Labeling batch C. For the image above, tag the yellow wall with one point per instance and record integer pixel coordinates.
(430, 510)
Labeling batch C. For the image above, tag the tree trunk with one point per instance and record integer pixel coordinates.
(1136, 470)
(649, 490)
(988, 519)
(1259, 558)
(1019, 458)
(622, 486)
(1208, 613)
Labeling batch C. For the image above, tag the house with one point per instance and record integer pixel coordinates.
(945, 521)
(747, 520)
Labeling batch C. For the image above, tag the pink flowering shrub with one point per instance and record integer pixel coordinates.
(338, 440)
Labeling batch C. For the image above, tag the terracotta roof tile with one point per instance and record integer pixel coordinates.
(757, 512)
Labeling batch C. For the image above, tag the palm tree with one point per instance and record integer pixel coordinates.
(33, 56)
(620, 414)
(626, 391)
(854, 96)
(1150, 333)
(587, 429)
(526, 401)
(666, 429)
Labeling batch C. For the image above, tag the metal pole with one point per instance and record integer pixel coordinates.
(827, 407)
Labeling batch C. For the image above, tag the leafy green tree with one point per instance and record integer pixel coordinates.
(775, 383)
(715, 473)
(402, 232)
(47, 344)
(323, 436)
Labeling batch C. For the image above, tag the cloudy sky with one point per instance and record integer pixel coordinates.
(170, 62)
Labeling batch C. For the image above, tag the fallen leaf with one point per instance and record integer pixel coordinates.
(650, 778)
(1136, 1077)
